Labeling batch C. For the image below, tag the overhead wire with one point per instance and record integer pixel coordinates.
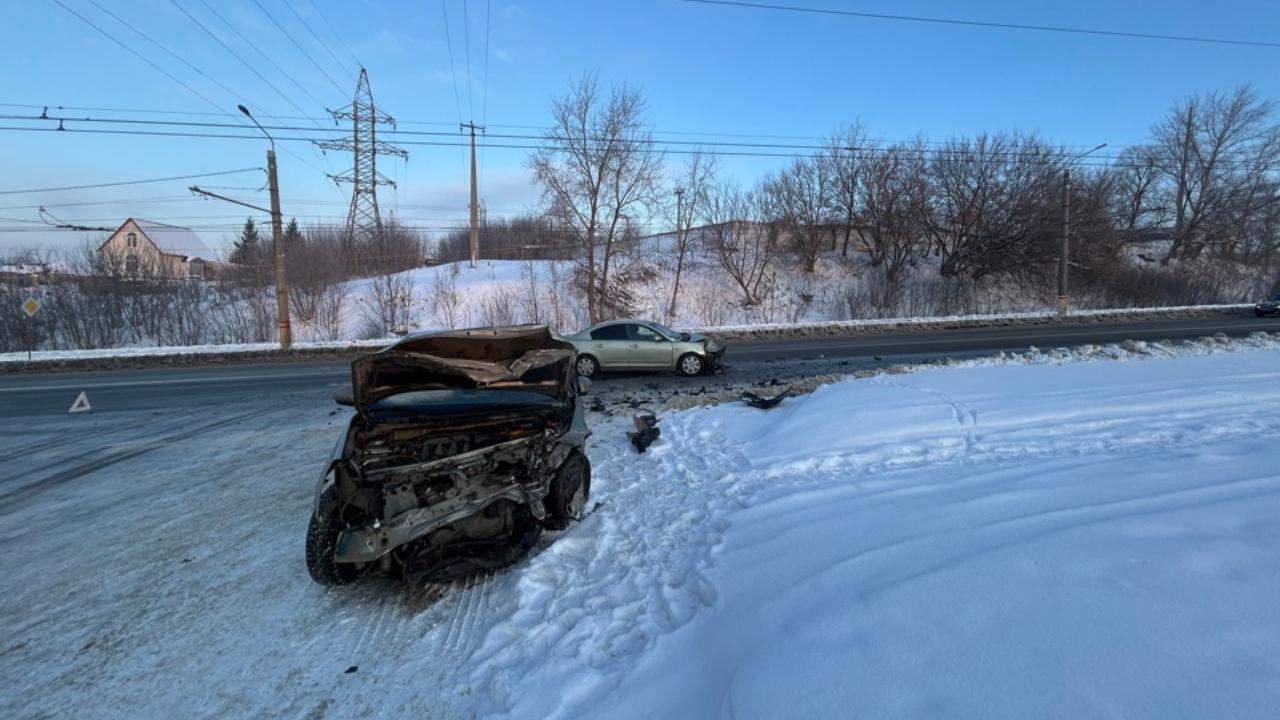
(466, 41)
(452, 124)
(335, 33)
(236, 31)
(453, 71)
(321, 41)
(945, 147)
(131, 182)
(1047, 159)
(297, 45)
(996, 25)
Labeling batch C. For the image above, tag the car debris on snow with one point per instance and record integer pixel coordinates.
(646, 431)
(764, 402)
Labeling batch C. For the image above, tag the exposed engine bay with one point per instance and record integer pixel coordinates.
(464, 446)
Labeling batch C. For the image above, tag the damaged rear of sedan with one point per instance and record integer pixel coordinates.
(464, 446)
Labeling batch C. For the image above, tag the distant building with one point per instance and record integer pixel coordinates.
(143, 248)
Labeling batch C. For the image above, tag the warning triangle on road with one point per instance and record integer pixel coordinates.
(81, 404)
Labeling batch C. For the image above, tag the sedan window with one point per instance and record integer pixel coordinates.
(610, 332)
(644, 333)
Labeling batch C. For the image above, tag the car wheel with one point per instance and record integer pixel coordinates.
(587, 366)
(567, 498)
(322, 543)
(690, 365)
(1258, 312)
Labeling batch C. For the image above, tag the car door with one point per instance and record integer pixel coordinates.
(650, 349)
(611, 346)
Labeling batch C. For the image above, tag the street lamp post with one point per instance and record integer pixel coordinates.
(277, 242)
(1064, 251)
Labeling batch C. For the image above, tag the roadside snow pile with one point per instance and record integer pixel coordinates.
(152, 351)
(1028, 539)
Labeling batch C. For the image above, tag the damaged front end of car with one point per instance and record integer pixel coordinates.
(463, 447)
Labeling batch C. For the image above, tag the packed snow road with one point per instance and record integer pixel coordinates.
(1006, 540)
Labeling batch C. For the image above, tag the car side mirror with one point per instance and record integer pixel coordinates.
(345, 399)
(659, 338)
(684, 337)
(584, 386)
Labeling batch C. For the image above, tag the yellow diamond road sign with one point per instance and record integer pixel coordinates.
(30, 307)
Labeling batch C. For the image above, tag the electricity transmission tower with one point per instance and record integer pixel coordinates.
(363, 219)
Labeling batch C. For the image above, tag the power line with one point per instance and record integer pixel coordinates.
(263, 55)
(453, 71)
(166, 50)
(665, 144)
(131, 182)
(323, 44)
(336, 34)
(484, 102)
(254, 70)
(452, 124)
(466, 41)
(236, 55)
(305, 54)
(997, 25)
(500, 146)
(138, 55)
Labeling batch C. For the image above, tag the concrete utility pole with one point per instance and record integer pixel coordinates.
(475, 202)
(1066, 234)
(277, 241)
(680, 230)
(1064, 254)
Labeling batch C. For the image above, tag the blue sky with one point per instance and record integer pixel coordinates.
(703, 69)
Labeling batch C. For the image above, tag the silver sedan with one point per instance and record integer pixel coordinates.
(643, 345)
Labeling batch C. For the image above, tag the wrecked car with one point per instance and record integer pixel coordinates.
(464, 446)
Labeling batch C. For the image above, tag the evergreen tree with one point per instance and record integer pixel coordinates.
(248, 249)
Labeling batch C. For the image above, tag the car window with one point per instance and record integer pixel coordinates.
(610, 332)
(644, 333)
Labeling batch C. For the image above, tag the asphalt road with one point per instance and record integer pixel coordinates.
(172, 389)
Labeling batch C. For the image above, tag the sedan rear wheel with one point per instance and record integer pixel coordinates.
(691, 365)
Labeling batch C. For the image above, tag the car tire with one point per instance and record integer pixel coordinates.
(566, 501)
(587, 366)
(323, 533)
(1258, 312)
(691, 364)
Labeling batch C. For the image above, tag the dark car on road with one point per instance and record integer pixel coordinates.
(464, 446)
(1270, 306)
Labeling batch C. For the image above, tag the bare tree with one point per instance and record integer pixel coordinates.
(891, 195)
(691, 206)
(446, 306)
(846, 155)
(1216, 152)
(598, 167)
(799, 200)
(991, 207)
(739, 238)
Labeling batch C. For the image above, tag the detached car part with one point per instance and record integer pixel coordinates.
(646, 432)
(464, 446)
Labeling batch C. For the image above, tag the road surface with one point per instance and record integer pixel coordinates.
(175, 388)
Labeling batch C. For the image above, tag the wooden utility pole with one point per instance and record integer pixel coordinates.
(475, 202)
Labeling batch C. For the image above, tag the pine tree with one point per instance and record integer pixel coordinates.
(248, 249)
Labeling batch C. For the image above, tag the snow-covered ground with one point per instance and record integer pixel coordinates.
(1004, 539)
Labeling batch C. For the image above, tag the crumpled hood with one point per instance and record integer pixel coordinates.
(529, 357)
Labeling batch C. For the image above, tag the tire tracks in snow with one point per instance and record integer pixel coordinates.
(13, 500)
